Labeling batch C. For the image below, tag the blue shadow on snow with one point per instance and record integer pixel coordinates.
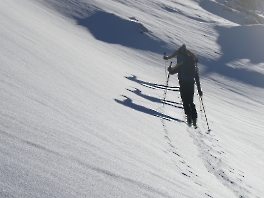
(240, 42)
(112, 29)
(145, 83)
(237, 42)
(129, 103)
(156, 100)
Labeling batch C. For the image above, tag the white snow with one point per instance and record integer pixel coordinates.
(76, 120)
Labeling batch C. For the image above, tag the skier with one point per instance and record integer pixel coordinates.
(187, 75)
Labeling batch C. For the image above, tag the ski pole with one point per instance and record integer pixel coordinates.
(167, 83)
(165, 64)
(205, 114)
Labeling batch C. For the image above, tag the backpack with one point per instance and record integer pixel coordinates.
(180, 58)
(188, 69)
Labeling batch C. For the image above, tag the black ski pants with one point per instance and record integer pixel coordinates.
(187, 92)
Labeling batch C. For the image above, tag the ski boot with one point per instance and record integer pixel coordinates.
(189, 121)
(195, 123)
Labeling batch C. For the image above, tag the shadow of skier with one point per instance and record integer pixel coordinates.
(157, 100)
(129, 103)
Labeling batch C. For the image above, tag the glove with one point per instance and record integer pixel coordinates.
(200, 93)
(165, 57)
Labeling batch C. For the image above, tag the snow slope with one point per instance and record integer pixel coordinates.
(81, 114)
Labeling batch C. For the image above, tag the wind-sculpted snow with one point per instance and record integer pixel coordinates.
(236, 12)
(71, 8)
(75, 123)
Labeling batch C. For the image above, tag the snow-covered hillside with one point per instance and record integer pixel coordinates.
(81, 112)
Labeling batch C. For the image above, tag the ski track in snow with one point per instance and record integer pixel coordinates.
(213, 157)
(211, 152)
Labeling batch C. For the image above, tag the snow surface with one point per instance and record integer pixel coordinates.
(81, 114)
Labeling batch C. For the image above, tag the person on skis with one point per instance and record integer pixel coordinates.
(187, 75)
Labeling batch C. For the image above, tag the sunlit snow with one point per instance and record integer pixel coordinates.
(81, 90)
